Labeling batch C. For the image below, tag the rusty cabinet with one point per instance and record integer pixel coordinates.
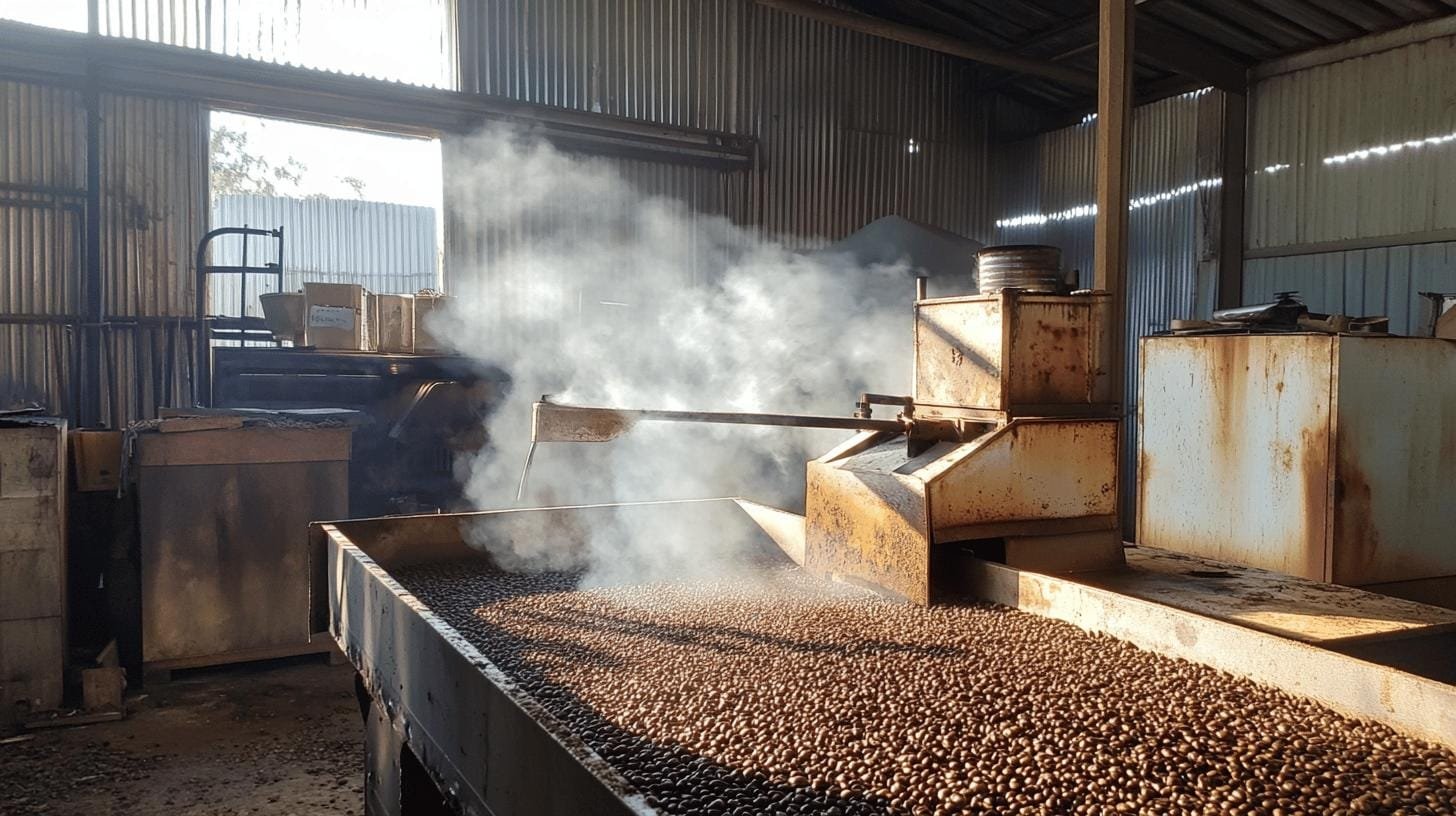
(224, 520)
(1327, 457)
(32, 564)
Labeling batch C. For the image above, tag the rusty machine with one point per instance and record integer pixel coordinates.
(995, 479)
(1009, 442)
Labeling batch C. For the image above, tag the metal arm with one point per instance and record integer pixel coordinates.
(551, 422)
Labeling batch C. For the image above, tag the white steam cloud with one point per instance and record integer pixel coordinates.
(636, 302)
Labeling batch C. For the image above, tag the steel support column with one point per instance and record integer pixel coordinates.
(1231, 203)
(93, 305)
(1114, 134)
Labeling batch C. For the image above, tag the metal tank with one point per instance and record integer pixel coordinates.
(1028, 267)
(1331, 457)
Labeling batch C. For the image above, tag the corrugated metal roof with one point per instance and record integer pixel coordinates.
(1245, 31)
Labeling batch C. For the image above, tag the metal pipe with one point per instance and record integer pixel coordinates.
(785, 420)
(579, 423)
(921, 287)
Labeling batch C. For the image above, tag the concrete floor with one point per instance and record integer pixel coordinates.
(283, 738)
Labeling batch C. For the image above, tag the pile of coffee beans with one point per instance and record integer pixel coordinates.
(770, 692)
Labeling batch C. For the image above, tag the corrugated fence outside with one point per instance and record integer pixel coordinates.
(386, 248)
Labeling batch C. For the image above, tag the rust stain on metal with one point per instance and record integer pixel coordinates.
(868, 529)
(567, 423)
(1314, 479)
(1355, 530)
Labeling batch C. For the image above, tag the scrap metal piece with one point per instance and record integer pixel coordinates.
(1285, 311)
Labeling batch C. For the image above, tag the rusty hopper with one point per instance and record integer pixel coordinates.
(1009, 443)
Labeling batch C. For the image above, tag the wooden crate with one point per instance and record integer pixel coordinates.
(32, 564)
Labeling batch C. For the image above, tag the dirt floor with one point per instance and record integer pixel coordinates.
(282, 738)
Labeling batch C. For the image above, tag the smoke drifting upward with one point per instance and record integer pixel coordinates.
(636, 302)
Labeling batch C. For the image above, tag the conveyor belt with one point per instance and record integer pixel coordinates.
(769, 692)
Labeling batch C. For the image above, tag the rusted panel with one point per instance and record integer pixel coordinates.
(868, 525)
(1395, 464)
(1056, 353)
(1001, 351)
(959, 352)
(570, 423)
(244, 446)
(1028, 470)
(1234, 453)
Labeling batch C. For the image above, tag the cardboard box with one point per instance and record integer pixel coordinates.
(98, 460)
(395, 319)
(427, 304)
(336, 316)
(1446, 325)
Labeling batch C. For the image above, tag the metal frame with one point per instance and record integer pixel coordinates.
(241, 328)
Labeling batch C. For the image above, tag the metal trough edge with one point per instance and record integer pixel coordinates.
(447, 701)
(1409, 704)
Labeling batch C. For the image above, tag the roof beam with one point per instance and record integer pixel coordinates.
(920, 38)
(31, 53)
(1189, 56)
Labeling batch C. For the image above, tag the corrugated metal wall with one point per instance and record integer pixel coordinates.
(153, 182)
(387, 248)
(477, 253)
(854, 127)
(153, 202)
(657, 60)
(1361, 150)
(850, 127)
(42, 206)
(408, 41)
(1380, 281)
(1046, 195)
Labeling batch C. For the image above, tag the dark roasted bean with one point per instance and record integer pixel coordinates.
(772, 693)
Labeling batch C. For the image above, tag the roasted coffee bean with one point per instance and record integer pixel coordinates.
(773, 693)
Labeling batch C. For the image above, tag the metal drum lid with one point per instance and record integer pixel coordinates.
(1029, 267)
